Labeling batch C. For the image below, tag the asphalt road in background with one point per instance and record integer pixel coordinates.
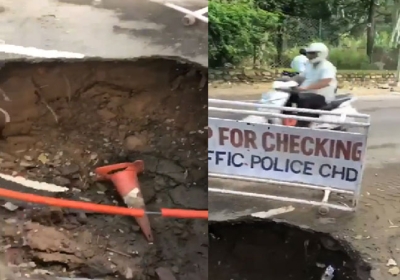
(106, 28)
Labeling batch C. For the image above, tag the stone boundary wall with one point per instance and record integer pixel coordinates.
(250, 75)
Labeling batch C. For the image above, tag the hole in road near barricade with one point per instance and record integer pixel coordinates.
(254, 250)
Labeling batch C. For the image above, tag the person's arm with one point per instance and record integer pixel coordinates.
(328, 74)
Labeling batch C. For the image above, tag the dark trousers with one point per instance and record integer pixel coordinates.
(306, 100)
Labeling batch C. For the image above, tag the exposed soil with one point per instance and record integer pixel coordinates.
(255, 250)
(67, 119)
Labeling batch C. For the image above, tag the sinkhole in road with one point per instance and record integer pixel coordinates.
(69, 117)
(255, 250)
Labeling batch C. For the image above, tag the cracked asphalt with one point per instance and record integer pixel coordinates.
(104, 28)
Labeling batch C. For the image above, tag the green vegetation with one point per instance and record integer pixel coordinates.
(270, 33)
(238, 31)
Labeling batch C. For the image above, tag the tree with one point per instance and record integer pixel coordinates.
(242, 29)
(237, 30)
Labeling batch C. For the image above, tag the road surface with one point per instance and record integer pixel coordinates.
(373, 230)
(104, 28)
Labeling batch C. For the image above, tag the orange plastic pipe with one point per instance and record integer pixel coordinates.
(98, 208)
(181, 213)
(63, 203)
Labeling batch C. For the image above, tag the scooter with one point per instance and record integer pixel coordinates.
(278, 97)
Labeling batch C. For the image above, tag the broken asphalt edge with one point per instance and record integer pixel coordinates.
(33, 60)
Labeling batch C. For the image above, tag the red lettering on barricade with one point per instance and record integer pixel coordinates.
(282, 142)
(320, 147)
(222, 136)
(290, 143)
(356, 151)
(267, 145)
(303, 146)
(331, 148)
(294, 146)
(236, 138)
(342, 149)
(250, 139)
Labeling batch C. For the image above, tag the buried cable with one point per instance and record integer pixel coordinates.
(98, 208)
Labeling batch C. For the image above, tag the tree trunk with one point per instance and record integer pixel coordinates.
(371, 29)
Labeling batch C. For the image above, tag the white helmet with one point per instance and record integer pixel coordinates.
(320, 49)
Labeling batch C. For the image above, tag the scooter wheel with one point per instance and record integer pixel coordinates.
(323, 210)
(188, 20)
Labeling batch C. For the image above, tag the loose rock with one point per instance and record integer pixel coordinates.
(69, 169)
(61, 181)
(135, 143)
(26, 164)
(43, 158)
(394, 271)
(391, 262)
(172, 170)
(106, 114)
(164, 273)
(8, 165)
(191, 198)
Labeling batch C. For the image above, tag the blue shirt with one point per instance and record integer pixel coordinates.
(299, 63)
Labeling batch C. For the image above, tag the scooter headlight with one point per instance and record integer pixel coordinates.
(265, 99)
(268, 99)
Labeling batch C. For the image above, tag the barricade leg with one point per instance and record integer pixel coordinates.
(324, 209)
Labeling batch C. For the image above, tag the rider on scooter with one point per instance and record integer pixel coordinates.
(299, 63)
(318, 81)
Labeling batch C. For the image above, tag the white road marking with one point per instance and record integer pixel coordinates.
(35, 52)
(6, 114)
(273, 212)
(40, 186)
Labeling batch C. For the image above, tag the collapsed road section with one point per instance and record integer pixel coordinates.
(60, 121)
(259, 249)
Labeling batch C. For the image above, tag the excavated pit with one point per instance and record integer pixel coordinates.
(257, 250)
(68, 118)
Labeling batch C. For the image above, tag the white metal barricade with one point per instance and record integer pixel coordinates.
(190, 16)
(312, 159)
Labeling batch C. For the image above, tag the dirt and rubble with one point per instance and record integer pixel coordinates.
(68, 118)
